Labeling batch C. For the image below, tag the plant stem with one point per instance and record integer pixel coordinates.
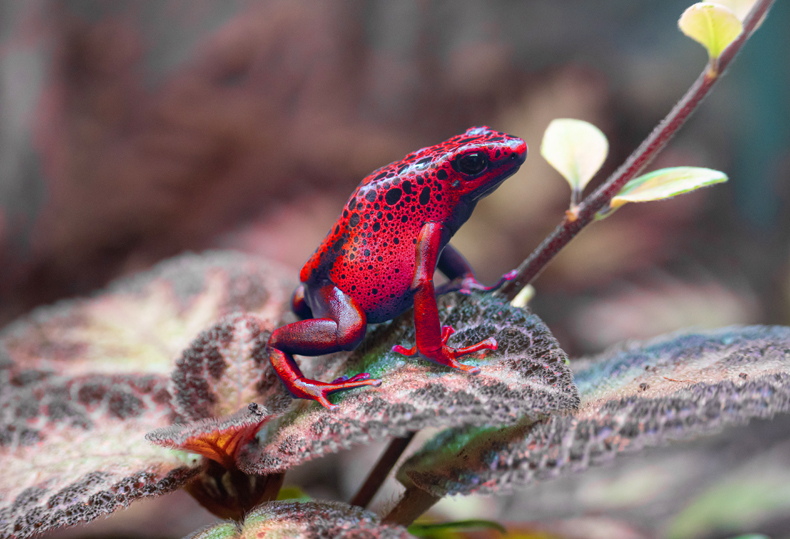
(380, 472)
(412, 504)
(636, 162)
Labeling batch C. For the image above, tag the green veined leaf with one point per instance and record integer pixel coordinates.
(666, 183)
(576, 148)
(712, 25)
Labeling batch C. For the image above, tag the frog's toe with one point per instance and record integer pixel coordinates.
(355, 378)
(398, 349)
(469, 369)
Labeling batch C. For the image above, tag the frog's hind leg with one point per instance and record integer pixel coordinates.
(339, 325)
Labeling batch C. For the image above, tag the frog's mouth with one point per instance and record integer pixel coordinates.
(503, 169)
(490, 188)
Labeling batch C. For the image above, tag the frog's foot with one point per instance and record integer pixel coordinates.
(470, 283)
(444, 355)
(319, 391)
(465, 285)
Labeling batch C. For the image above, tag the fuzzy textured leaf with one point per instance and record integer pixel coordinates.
(221, 371)
(141, 323)
(639, 395)
(72, 449)
(659, 490)
(82, 381)
(712, 25)
(576, 149)
(305, 520)
(526, 377)
(666, 183)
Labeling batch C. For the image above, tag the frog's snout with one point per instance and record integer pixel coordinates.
(520, 150)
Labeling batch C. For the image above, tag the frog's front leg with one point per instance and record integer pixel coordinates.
(338, 324)
(431, 337)
(462, 276)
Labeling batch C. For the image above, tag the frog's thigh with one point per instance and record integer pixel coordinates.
(331, 303)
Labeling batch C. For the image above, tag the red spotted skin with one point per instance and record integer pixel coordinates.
(370, 251)
(380, 257)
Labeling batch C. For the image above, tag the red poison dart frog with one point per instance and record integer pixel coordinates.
(380, 256)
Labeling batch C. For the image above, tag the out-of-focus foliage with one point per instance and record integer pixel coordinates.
(305, 520)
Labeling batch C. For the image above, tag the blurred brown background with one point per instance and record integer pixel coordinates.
(132, 130)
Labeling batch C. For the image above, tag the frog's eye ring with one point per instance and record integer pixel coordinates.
(471, 163)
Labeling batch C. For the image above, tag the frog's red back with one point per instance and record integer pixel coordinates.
(369, 253)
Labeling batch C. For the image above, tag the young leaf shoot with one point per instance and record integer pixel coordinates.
(576, 149)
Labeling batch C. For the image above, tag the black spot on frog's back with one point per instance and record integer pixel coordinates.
(393, 196)
(425, 195)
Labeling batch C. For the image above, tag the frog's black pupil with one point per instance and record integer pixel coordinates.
(472, 163)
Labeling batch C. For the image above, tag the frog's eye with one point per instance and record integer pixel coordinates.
(471, 163)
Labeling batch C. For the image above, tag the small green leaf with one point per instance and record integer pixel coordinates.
(712, 25)
(666, 183)
(421, 530)
(293, 493)
(575, 148)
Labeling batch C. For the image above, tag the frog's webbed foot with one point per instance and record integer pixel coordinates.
(319, 391)
(444, 355)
